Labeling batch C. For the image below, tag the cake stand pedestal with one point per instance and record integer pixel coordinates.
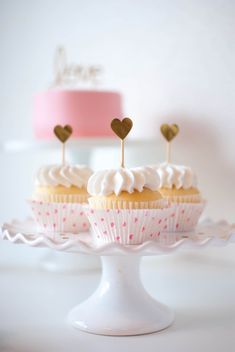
(121, 306)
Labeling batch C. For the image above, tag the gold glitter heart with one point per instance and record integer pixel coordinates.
(121, 127)
(169, 132)
(63, 133)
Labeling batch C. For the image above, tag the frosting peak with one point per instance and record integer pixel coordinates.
(63, 175)
(178, 176)
(106, 182)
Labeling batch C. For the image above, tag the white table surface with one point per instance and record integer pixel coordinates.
(198, 285)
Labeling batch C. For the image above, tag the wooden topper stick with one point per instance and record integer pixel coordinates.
(169, 133)
(168, 152)
(121, 129)
(63, 134)
(122, 153)
(63, 154)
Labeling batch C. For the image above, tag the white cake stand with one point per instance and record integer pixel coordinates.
(121, 305)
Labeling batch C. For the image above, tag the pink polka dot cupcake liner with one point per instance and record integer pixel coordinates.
(127, 226)
(54, 218)
(184, 216)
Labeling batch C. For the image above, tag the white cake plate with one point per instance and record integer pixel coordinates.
(120, 305)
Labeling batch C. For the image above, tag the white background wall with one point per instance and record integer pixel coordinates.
(172, 60)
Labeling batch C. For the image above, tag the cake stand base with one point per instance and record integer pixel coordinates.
(121, 306)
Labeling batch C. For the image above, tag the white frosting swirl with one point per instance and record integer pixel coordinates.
(106, 182)
(178, 176)
(63, 175)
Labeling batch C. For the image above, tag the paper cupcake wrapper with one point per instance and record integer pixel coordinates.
(54, 218)
(127, 226)
(192, 198)
(96, 203)
(184, 216)
(61, 198)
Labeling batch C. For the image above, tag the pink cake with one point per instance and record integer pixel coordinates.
(88, 112)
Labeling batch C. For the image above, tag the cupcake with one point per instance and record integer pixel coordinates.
(60, 191)
(178, 185)
(124, 188)
(125, 205)
(62, 184)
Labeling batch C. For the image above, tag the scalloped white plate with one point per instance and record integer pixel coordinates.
(207, 233)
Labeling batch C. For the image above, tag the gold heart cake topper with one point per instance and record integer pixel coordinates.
(63, 133)
(121, 127)
(169, 132)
